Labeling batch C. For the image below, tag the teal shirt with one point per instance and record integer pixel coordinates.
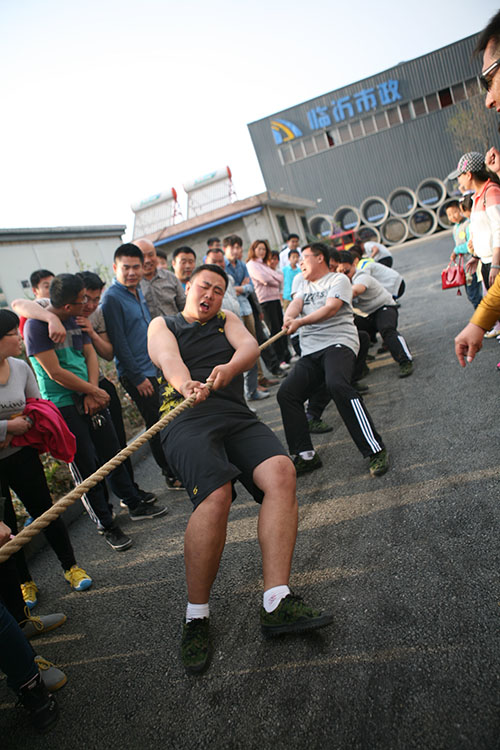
(69, 353)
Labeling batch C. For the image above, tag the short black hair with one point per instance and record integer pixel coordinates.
(64, 289)
(346, 257)
(128, 250)
(232, 239)
(215, 250)
(210, 267)
(319, 248)
(355, 250)
(293, 237)
(8, 321)
(161, 254)
(212, 240)
(491, 32)
(452, 204)
(335, 255)
(38, 276)
(275, 254)
(184, 249)
(293, 251)
(91, 280)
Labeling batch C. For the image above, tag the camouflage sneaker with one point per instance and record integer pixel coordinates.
(405, 368)
(292, 616)
(302, 466)
(379, 463)
(318, 427)
(195, 645)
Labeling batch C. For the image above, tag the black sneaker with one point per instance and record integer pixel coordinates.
(41, 705)
(360, 387)
(143, 510)
(116, 538)
(195, 645)
(318, 427)
(172, 482)
(146, 497)
(292, 616)
(302, 466)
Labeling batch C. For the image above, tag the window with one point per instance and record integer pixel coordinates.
(286, 154)
(305, 225)
(432, 102)
(356, 129)
(419, 107)
(321, 142)
(472, 87)
(309, 146)
(458, 92)
(404, 110)
(345, 134)
(445, 98)
(393, 116)
(283, 226)
(298, 153)
(368, 125)
(381, 121)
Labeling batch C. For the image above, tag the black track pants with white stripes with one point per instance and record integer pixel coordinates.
(333, 366)
(385, 321)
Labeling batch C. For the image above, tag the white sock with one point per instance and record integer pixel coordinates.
(272, 597)
(307, 455)
(196, 611)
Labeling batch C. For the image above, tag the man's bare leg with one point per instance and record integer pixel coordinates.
(278, 518)
(204, 543)
(282, 612)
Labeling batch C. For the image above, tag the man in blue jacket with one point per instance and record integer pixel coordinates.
(127, 319)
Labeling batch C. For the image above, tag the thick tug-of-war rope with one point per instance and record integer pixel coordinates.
(27, 534)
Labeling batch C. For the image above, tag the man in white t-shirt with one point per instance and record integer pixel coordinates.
(292, 243)
(329, 344)
(380, 310)
(378, 252)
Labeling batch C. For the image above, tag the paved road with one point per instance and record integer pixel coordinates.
(407, 562)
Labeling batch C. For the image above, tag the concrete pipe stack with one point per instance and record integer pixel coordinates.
(404, 214)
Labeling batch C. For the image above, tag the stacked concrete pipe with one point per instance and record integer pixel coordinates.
(405, 214)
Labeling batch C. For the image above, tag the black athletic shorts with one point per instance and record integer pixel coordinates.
(218, 441)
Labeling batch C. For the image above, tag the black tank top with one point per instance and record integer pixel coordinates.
(202, 347)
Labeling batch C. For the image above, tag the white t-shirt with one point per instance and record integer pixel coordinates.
(284, 261)
(374, 297)
(388, 277)
(383, 252)
(340, 328)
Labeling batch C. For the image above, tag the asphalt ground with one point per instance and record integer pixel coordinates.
(407, 563)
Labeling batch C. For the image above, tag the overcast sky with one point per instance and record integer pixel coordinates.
(105, 103)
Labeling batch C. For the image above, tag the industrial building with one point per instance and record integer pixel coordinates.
(58, 249)
(375, 135)
(214, 210)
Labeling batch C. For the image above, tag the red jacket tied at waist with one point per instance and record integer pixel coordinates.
(50, 433)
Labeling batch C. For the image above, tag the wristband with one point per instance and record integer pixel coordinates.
(494, 265)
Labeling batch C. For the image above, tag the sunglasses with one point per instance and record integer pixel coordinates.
(487, 75)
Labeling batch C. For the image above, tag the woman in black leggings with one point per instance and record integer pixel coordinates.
(20, 467)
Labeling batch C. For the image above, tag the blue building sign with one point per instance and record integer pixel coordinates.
(360, 103)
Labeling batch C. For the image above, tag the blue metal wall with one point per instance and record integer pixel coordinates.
(375, 164)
